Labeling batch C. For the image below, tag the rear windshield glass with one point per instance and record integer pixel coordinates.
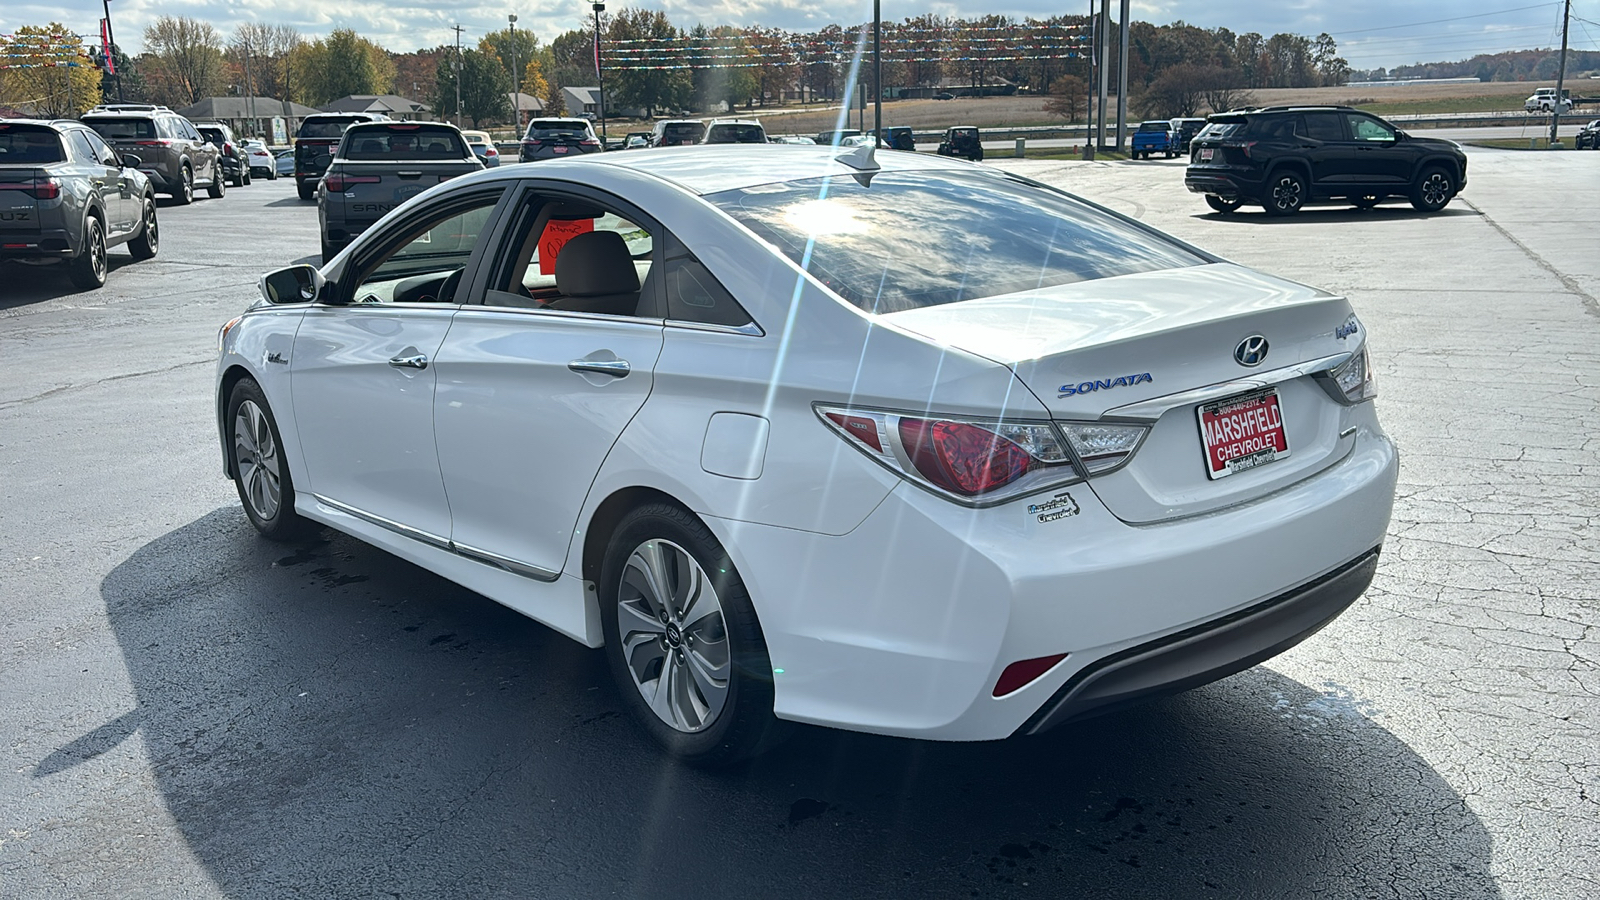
(736, 134)
(1154, 126)
(29, 145)
(214, 135)
(557, 128)
(909, 240)
(1224, 129)
(402, 142)
(123, 129)
(325, 128)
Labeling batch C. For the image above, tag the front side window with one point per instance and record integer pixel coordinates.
(426, 262)
(907, 240)
(1366, 128)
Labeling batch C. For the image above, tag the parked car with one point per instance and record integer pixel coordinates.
(1284, 157)
(283, 163)
(792, 139)
(235, 161)
(899, 137)
(864, 140)
(315, 142)
(1544, 100)
(380, 165)
(1588, 136)
(171, 152)
(1183, 131)
(66, 196)
(835, 136)
(637, 140)
(677, 132)
(556, 138)
(944, 95)
(482, 146)
(262, 162)
(1154, 136)
(948, 480)
(734, 131)
(963, 141)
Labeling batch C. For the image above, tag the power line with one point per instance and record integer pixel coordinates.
(1451, 19)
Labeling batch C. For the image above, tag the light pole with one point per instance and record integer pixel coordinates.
(598, 74)
(877, 72)
(516, 79)
(112, 40)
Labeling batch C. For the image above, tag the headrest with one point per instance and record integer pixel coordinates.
(596, 263)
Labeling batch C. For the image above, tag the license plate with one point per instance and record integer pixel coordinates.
(561, 149)
(1206, 152)
(1243, 432)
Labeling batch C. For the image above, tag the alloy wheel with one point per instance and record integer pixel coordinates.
(152, 231)
(97, 251)
(255, 455)
(1286, 194)
(1436, 189)
(674, 637)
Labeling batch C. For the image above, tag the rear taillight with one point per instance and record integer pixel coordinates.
(227, 148)
(490, 151)
(588, 142)
(1246, 148)
(337, 182)
(1354, 379)
(532, 142)
(972, 461)
(1102, 447)
(37, 188)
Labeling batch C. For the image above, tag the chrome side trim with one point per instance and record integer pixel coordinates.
(426, 537)
(537, 573)
(751, 329)
(1155, 407)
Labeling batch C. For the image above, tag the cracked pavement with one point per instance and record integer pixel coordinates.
(191, 712)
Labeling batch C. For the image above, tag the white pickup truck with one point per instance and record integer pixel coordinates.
(1544, 100)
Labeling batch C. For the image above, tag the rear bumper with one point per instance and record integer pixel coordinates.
(1207, 652)
(48, 243)
(1223, 184)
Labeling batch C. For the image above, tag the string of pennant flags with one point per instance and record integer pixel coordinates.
(780, 48)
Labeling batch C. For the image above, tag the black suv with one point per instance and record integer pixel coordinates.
(235, 161)
(173, 154)
(315, 142)
(1284, 157)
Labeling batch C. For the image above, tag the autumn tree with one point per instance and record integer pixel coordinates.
(1069, 96)
(48, 71)
(484, 86)
(188, 59)
(643, 81)
(342, 64)
(512, 49)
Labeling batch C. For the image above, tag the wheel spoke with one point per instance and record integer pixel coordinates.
(652, 562)
(661, 698)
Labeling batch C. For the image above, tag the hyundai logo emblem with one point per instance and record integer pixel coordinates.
(1251, 351)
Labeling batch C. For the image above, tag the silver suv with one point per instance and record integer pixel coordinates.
(66, 196)
(735, 131)
(172, 152)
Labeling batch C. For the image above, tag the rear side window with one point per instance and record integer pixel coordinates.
(402, 142)
(29, 145)
(910, 240)
(1324, 127)
(123, 129)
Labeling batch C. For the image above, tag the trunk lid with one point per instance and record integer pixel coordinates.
(19, 207)
(374, 188)
(1118, 348)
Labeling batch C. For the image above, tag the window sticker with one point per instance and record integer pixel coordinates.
(556, 234)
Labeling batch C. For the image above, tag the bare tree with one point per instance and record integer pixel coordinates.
(1068, 96)
(188, 53)
(1223, 89)
(261, 53)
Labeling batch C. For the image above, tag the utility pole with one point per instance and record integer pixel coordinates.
(112, 39)
(458, 74)
(598, 74)
(250, 89)
(1105, 73)
(877, 70)
(1122, 81)
(1561, 77)
(516, 76)
(1088, 109)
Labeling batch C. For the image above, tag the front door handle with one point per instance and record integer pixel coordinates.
(615, 367)
(410, 362)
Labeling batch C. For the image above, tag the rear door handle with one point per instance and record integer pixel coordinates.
(616, 367)
(419, 361)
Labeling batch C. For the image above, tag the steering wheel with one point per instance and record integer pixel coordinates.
(447, 291)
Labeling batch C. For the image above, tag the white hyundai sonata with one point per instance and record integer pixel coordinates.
(900, 444)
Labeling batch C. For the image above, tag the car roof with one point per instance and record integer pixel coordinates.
(709, 170)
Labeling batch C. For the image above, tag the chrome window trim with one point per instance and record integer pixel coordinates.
(1153, 409)
(750, 329)
(473, 309)
(526, 570)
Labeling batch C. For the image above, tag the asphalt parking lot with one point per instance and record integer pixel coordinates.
(191, 712)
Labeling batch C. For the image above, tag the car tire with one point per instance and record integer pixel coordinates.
(88, 268)
(260, 472)
(248, 178)
(329, 251)
(218, 186)
(148, 243)
(708, 656)
(1223, 206)
(184, 195)
(307, 191)
(1432, 190)
(1368, 201)
(1286, 193)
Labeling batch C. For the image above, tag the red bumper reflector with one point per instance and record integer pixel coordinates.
(1022, 672)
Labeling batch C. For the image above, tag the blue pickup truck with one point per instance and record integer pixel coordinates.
(1154, 136)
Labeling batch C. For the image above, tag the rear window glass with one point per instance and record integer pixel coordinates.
(402, 142)
(29, 145)
(123, 129)
(325, 128)
(736, 134)
(909, 240)
(680, 132)
(1224, 129)
(1154, 126)
(557, 128)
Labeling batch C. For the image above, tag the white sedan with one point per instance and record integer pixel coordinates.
(262, 161)
(901, 445)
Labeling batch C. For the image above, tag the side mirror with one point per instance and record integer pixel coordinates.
(131, 161)
(296, 284)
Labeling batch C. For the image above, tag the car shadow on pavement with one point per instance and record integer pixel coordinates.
(21, 284)
(1313, 215)
(325, 718)
(291, 201)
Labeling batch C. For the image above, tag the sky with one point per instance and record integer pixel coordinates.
(1370, 33)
